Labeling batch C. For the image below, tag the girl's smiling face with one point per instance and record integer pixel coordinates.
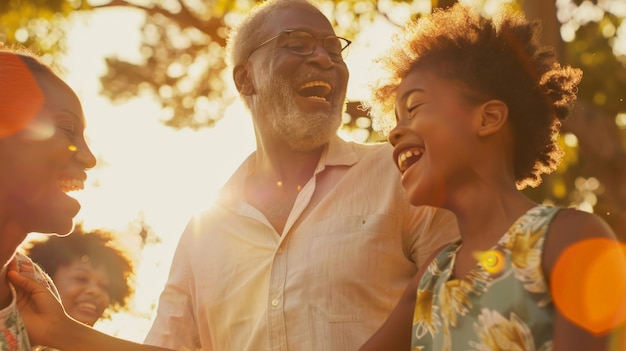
(434, 137)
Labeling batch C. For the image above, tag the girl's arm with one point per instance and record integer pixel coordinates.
(395, 333)
(571, 227)
(48, 324)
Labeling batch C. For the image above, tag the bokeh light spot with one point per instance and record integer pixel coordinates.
(589, 284)
(21, 102)
(492, 261)
(39, 129)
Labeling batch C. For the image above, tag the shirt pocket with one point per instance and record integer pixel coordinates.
(354, 258)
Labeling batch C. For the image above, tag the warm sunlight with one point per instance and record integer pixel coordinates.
(147, 172)
(152, 174)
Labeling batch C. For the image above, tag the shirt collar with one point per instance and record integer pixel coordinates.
(336, 153)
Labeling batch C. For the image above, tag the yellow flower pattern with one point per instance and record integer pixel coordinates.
(489, 310)
(498, 333)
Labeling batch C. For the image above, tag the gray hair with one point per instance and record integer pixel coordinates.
(247, 34)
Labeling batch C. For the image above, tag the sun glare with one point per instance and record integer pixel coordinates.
(147, 173)
(150, 174)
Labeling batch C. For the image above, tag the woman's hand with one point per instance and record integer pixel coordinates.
(48, 324)
(39, 308)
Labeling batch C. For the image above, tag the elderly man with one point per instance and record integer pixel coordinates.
(311, 241)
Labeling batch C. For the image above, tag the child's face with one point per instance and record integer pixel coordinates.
(434, 138)
(84, 290)
(44, 161)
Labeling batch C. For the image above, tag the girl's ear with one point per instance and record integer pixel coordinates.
(494, 114)
(242, 80)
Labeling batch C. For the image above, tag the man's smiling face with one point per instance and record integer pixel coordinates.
(301, 97)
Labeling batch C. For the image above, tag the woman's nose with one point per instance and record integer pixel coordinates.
(84, 155)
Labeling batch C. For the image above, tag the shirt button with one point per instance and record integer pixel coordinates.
(275, 302)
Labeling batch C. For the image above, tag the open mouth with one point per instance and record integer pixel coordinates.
(317, 90)
(88, 306)
(68, 185)
(408, 157)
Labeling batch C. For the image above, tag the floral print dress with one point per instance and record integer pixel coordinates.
(13, 335)
(503, 303)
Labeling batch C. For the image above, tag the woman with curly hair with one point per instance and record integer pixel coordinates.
(92, 274)
(478, 104)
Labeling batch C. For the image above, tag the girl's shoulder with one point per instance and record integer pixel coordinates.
(571, 226)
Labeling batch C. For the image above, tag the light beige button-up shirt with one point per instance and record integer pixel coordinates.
(349, 248)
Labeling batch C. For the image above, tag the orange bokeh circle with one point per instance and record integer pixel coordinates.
(589, 284)
(22, 98)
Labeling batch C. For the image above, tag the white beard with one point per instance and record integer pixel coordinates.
(302, 131)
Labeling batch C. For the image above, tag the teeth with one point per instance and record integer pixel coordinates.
(67, 185)
(314, 84)
(88, 305)
(317, 90)
(406, 155)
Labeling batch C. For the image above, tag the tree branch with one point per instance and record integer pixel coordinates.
(184, 18)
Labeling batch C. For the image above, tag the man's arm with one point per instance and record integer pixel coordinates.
(48, 324)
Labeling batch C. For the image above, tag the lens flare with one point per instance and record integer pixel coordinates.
(589, 284)
(491, 260)
(39, 129)
(22, 100)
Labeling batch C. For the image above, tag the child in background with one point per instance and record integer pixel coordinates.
(92, 275)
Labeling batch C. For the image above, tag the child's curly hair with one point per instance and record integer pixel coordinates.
(100, 248)
(499, 58)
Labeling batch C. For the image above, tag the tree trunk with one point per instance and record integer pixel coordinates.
(600, 150)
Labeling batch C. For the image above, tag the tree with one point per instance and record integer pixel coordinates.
(595, 173)
(183, 68)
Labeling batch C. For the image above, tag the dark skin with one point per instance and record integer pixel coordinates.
(395, 333)
(276, 160)
(280, 170)
(30, 169)
(466, 155)
(45, 320)
(32, 201)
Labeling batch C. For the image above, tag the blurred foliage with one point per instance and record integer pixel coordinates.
(183, 68)
(39, 25)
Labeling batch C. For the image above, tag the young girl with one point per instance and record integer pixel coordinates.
(478, 105)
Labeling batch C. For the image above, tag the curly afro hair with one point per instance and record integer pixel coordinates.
(100, 248)
(499, 58)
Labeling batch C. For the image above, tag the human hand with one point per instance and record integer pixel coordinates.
(39, 308)
(48, 324)
(25, 267)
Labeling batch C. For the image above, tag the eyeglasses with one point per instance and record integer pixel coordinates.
(304, 43)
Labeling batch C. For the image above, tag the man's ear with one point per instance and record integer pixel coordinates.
(242, 80)
(494, 114)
